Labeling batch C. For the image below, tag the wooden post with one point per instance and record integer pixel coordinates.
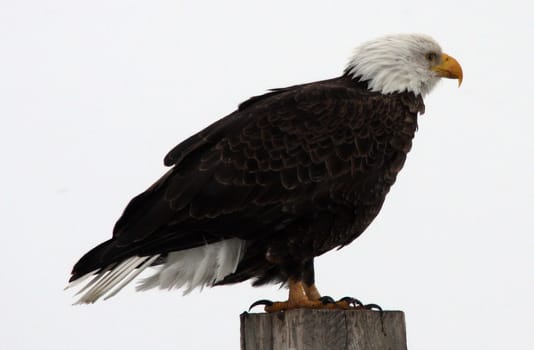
(308, 329)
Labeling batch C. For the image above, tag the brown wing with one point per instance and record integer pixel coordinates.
(274, 161)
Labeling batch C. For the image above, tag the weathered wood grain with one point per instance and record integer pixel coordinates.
(305, 329)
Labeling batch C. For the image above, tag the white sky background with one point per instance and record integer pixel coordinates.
(94, 93)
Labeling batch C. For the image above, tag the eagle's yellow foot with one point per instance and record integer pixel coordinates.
(325, 302)
(300, 297)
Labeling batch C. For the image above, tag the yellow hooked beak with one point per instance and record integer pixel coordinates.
(449, 68)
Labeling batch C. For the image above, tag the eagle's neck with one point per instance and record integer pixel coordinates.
(386, 79)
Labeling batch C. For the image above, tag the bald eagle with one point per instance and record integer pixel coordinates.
(288, 176)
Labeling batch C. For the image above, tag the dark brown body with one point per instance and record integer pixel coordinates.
(295, 172)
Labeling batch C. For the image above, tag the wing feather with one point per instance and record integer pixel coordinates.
(270, 162)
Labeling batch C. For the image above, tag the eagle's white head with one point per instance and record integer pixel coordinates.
(402, 62)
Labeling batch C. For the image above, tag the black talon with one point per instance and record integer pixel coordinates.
(327, 300)
(261, 302)
(351, 301)
(372, 307)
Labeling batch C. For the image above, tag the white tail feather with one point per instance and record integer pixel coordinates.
(102, 285)
(191, 268)
(101, 280)
(132, 276)
(109, 277)
(96, 277)
(197, 267)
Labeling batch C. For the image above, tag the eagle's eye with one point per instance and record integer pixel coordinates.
(431, 56)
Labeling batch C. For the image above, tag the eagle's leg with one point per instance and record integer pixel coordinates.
(311, 291)
(302, 291)
(304, 294)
